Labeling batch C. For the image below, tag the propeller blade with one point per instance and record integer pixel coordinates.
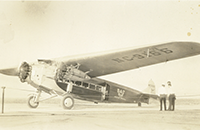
(10, 71)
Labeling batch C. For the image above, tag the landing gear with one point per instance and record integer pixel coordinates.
(67, 102)
(34, 99)
(139, 104)
(32, 102)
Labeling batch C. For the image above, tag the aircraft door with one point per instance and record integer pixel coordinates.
(103, 90)
(107, 92)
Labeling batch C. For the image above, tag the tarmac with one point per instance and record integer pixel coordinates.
(90, 116)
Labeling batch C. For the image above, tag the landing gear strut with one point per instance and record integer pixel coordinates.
(139, 104)
(34, 99)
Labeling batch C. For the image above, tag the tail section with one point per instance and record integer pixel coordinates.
(151, 89)
(149, 94)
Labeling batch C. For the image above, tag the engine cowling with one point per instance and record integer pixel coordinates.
(24, 71)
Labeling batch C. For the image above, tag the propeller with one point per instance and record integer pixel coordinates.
(23, 71)
(10, 71)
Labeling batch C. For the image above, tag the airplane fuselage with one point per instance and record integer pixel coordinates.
(47, 78)
(107, 92)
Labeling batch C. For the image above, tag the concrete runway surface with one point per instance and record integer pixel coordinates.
(90, 116)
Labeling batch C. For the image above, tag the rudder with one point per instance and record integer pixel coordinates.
(151, 89)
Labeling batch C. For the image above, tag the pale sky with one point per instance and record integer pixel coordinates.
(32, 30)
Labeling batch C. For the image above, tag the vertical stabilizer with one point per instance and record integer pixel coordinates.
(151, 89)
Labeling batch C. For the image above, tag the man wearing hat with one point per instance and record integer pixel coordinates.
(172, 97)
(162, 92)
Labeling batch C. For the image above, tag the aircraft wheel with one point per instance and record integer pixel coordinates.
(67, 102)
(139, 104)
(32, 103)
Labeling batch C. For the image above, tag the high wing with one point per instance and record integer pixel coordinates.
(99, 64)
(105, 63)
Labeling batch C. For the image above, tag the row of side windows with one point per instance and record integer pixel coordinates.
(90, 86)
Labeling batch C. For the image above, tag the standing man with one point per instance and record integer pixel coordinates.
(172, 97)
(162, 92)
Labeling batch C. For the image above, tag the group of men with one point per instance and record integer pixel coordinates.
(167, 93)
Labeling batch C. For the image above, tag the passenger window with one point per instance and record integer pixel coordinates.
(73, 81)
(85, 85)
(78, 83)
(98, 88)
(92, 86)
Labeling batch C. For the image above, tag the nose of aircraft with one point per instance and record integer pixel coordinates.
(24, 70)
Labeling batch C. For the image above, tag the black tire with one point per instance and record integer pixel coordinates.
(67, 102)
(31, 102)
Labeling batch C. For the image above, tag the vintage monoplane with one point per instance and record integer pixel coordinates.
(76, 77)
